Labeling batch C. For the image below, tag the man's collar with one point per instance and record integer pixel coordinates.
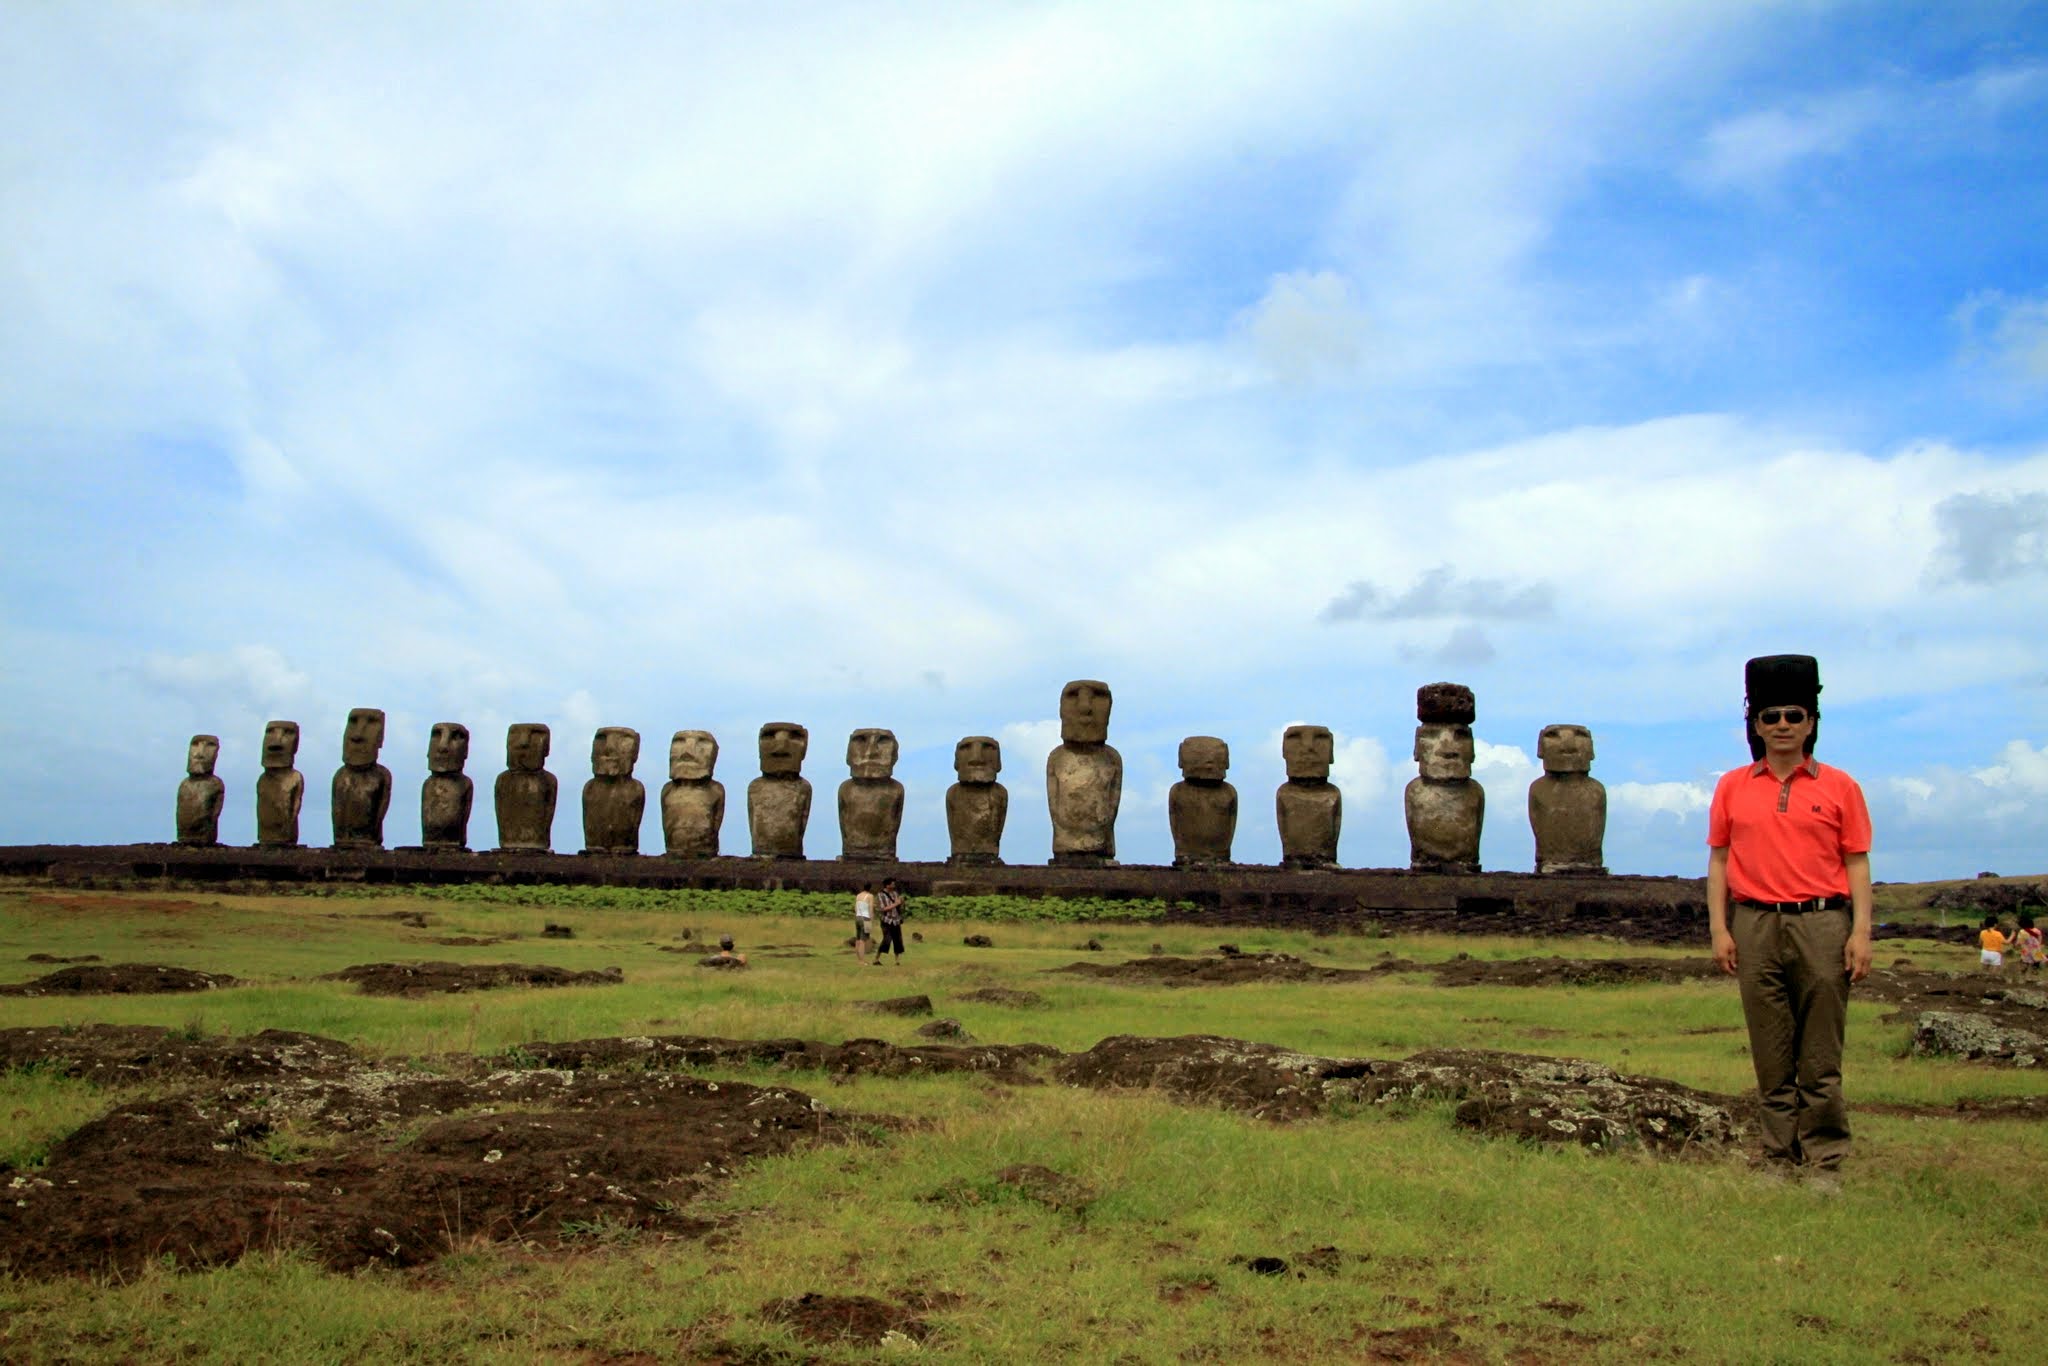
(1763, 766)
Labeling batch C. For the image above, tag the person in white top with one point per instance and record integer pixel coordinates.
(863, 921)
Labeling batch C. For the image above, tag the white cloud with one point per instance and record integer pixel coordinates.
(251, 677)
(1754, 150)
(1645, 801)
(1309, 327)
(1360, 768)
(2009, 333)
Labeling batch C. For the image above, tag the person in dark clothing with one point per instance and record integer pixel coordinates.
(889, 907)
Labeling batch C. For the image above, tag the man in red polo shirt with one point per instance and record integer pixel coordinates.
(1788, 904)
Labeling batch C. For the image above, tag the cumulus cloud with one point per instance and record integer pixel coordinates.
(1438, 593)
(1309, 327)
(1684, 801)
(1989, 537)
(1360, 769)
(248, 677)
(2008, 333)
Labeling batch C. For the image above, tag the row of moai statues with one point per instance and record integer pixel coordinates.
(1445, 807)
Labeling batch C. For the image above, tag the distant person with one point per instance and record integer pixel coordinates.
(2028, 942)
(1991, 945)
(1788, 906)
(890, 907)
(725, 957)
(863, 922)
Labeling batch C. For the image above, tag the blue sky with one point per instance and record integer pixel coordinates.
(698, 366)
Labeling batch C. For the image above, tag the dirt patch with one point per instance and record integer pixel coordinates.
(1231, 967)
(118, 979)
(426, 979)
(1016, 1063)
(1225, 970)
(114, 1055)
(2006, 1003)
(1573, 972)
(1004, 996)
(828, 1319)
(900, 1005)
(542, 1157)
(53, 958)
(1026, 1181)
(471, 941)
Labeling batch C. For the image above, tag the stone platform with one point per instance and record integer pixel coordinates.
(1243, 893)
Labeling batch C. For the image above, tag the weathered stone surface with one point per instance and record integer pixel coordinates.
(361, 793)
(1567, 805)
(871, 800)
(1308, 806)
(613, 800)
(1445, 808)
(281, 790)
(779, 801)
(1955, 1034)
(447, 794)
(1450, 704)
(944, 1029)
(1201, 809)
(200, 793)
(525, 791)
(977, 806)
(1084, 778)
(692, 802)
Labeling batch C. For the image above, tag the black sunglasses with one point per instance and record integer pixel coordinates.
(1792, 716)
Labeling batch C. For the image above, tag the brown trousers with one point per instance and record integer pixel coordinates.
(1795, 1000)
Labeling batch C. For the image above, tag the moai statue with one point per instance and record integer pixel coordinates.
(779, 801)
(613, 799)
(1201, 809)
(871, 801)
(1309, 806)
(525, 791)
(281, 790)
(1445, 807)
(1084, 779)
(362, 786)
(977, 805)
(693, 802)
(448, 793)
(1568, 805)
(199, 795)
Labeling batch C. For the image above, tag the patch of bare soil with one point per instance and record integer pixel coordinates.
(220, 1170)
(1572, 972)
(424, 979)
(114, 1055)
(472, 941)
(2009, 1003)
(1232, 967)
(1225, 970)
(831, 1319)
(1026, 1181)
(1004, 996)
(118, 979)
(54, 958)
(867, 1057)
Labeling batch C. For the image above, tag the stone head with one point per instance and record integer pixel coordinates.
(613, 751)
(783, 746)
(1565, 749)
(1308, 751)
(978, 759)
(1204, 759)
(1444, 750)
(526, 746)
(1084, 712)
(280, 744)
(362, 737)
(447, 747)
(871, 753)
(200, 754)
(692, 755)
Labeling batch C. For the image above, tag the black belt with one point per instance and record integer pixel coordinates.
(1818, 903)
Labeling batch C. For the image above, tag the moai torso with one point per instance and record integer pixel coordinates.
(447, 794)
(1567, 805)
(613, 800)
(200, 793)
(281, 790)
(779, 801)
(871, 800)
(1446, 809)
(693, 802)
(1201, 809)
(524, 794)
(977, 805)
(362, 786)
(1084, 778)
(1308, 806)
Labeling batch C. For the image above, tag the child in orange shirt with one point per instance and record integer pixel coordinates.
(1991, 943)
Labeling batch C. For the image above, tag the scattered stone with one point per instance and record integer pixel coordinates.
(553, 931)
(722, 962)
(944, 1029)
(1158, 949)
(1092, 946)
(119, 979)
(1945, 1033)
(916, 938)
(1229, 950)
(978, 941)
(53, 958)
(421, 979)
(902, 1005)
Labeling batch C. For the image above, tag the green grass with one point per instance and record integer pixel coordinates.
(1521, 1253)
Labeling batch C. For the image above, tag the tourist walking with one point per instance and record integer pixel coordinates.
(890, 907)
(1788, 908)
(2027, 943)
(1990, 945)
(863, 921)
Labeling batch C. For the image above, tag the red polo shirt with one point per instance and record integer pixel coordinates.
(1786, 841)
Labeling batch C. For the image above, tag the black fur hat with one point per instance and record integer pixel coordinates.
(1780, 681)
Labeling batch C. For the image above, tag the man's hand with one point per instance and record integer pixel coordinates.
(1724, 952)
(1856, 957)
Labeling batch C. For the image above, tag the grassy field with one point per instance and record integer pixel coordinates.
(1448, 1246)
